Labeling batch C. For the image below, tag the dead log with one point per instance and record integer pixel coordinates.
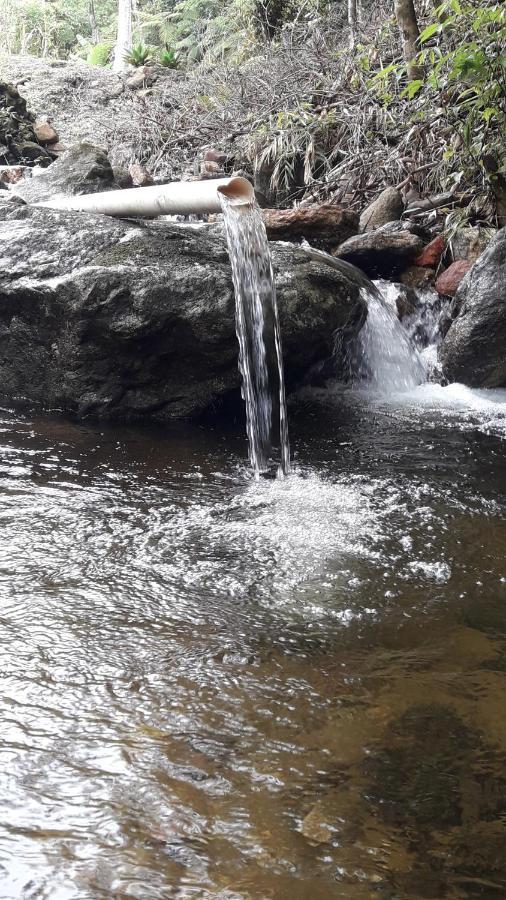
(324, 225)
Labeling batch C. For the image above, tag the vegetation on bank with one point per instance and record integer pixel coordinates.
(324, 100)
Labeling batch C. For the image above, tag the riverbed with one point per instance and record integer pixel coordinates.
(216, 687)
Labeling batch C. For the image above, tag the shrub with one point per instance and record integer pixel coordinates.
(99, 54)
(139, 55)
(168, 58)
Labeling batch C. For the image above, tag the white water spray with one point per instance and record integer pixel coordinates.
(386, 358)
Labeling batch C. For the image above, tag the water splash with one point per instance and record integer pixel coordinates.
(384, 356)
(258, 332)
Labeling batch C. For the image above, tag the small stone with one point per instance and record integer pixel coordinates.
(208, 167)
(140, 175)
(216, 156)
(45, 133)
(432, 253)
(449, 280)
(56, 149)
(116, 92)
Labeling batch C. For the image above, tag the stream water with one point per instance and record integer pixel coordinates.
(219, 687)
(215, 686)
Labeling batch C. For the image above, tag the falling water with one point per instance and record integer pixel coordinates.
(258, 332)
(385, 356)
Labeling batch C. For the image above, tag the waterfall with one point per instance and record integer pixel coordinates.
(385, 355)
(258, 333)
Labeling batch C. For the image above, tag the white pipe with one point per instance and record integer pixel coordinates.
(178, 197)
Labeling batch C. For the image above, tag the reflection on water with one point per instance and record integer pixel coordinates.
(220, 688)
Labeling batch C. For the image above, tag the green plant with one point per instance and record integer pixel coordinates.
(168, 58)
(99, 54)
(461, 97)
(295, 146)
(139, 55)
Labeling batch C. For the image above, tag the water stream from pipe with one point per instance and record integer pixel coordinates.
(258, 332)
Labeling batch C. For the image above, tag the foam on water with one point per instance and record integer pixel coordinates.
(479, 409)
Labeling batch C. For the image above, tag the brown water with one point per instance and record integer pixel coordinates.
(213, 687)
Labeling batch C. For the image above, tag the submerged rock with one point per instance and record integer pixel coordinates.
(101, 316)
(473, 351)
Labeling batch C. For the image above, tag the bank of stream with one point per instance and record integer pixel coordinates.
(221, 687)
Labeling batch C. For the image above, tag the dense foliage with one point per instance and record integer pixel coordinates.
(312, 115)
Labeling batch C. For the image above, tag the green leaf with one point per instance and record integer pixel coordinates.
(412, 88)
(429, 32)
(488, 113)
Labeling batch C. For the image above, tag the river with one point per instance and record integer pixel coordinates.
(216, 687)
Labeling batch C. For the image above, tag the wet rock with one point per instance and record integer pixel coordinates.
(387, 207)
(382, 253)
(416, 778)
(84, 169)
(100, 317)
(323, 225)
(432, 253)
(418, 277)
(406, 301)
(473, 349)
(448, 282)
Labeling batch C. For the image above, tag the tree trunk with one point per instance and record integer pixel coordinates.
(124, 38)
(352, 22)
(95, 34)
(408, 27)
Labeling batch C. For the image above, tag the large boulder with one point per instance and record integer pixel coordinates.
(84, 169)
(474, 349)
(99, 316)
(384, 252)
